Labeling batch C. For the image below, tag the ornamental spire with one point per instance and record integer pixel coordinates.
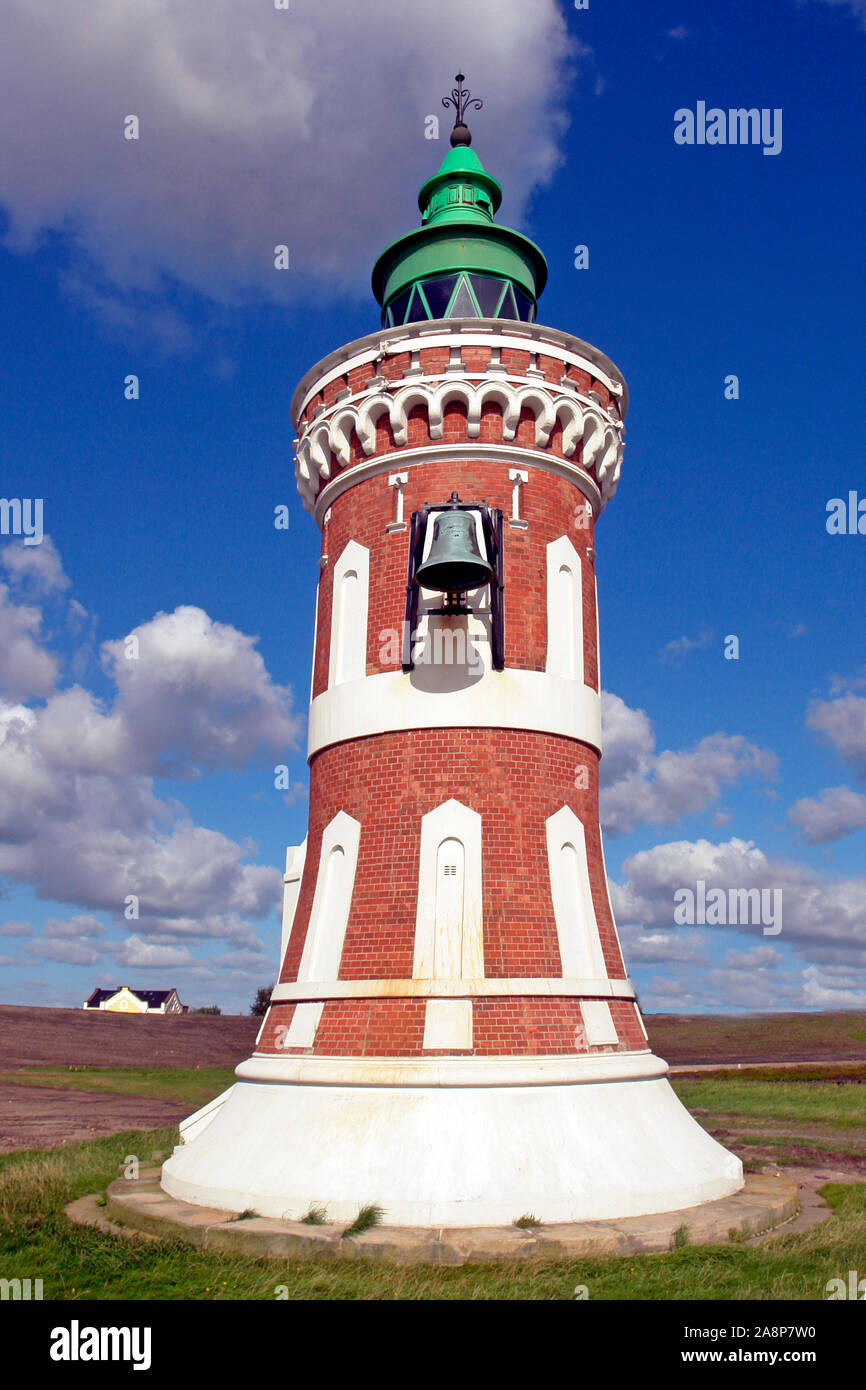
(462, 102)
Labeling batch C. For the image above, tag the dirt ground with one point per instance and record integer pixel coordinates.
(39, 1117)
(78, 1037)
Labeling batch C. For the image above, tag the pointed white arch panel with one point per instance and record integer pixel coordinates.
(326, 932)
(564, 611)
(349, 603)
(579, 942)
(449, 922)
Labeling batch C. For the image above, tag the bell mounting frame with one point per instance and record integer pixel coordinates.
(491, 529)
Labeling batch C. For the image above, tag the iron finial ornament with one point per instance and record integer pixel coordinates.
(462, 102)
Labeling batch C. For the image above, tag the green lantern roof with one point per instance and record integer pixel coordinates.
(459, 263)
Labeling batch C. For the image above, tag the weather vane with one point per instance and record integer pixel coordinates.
(462, 102)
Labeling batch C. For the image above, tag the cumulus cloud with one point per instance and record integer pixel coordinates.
(257, 127)
(822, 917)
(640, 786)
(67, 952)
(80, 821)
(833, 987)
(35, 567)
(192, 694)
(16, 929)
(842, 721)
(25, 667)
(83, 925)
(139, 954)
(834, 812)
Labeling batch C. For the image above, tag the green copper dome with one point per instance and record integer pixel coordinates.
(459, 263)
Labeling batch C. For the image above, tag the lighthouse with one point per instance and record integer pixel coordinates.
(453, 1035)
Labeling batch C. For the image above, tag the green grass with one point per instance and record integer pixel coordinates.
(79, 1263)
(368, 1217)
(191, 1085)
(785, 1101)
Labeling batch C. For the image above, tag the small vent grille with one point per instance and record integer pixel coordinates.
(450, 870)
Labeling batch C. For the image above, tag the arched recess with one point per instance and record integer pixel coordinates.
(449, 922)
(579, 942)
(326, 932)
(349, 602)
(564, 611)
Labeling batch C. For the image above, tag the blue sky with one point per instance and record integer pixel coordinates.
(155, 258)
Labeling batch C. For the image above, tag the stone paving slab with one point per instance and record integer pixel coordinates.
(140, 1205)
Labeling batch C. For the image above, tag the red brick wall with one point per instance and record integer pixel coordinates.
(548, 503)
(514, 780)
(517, 1026)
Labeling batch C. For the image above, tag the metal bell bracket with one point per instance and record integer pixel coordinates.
(492, 531)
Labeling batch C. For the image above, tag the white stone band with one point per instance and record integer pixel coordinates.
(454, 1071)
(509, 699)
(448, 453)
(388, 342)
(450, 989)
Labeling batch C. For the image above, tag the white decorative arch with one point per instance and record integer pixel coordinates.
(581, 419)
(576, 927)
(404, 402)
(349, 602)
(541, 405)
(570, 416)
(368, 415)
(329, 917)
(564, 611)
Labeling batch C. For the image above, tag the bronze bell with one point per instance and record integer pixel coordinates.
(455, 563)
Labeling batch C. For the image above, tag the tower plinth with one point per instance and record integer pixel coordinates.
(454, 1035)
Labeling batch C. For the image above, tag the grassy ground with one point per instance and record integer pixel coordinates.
(37, 1241)
(194, 1085)
(788, 1101)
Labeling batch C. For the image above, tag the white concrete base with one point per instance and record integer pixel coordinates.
(459, 1154)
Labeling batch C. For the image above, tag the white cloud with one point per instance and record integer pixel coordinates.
(640, 786)
(822, 917)
(67, 952)
(257, 127)
(144, 955)
(16, 929)
(84, 925)
(833, 987)
(35, 567)
(834, 812)
(25, 667)
(842, 721)
(79, 819)
(681, 646)
(196, 695)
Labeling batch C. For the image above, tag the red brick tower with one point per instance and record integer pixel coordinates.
(453, 1034)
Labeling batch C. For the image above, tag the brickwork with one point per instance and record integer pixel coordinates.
(512, 778)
